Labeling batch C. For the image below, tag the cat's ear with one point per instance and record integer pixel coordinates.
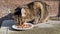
(23, 12)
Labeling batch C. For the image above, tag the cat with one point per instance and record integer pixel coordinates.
(34, 12)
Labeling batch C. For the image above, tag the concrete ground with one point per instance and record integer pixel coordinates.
(51, 27)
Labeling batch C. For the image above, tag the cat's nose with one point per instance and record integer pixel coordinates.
(23, 12)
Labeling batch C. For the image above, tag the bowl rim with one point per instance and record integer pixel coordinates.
(14, 27)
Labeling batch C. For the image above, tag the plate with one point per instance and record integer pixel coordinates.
(16, 27)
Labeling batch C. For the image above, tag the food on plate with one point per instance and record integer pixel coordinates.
(24, 26)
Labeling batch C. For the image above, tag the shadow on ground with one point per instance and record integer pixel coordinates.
(7, 17)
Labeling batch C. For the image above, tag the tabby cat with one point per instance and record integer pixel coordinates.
(34, 12)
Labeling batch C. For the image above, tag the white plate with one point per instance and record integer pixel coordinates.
(15, 27)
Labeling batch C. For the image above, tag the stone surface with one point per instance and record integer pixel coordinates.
(54, 29)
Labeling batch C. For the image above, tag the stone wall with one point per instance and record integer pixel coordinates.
(6, 5)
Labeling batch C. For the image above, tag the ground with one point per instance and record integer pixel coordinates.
(51, 27)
